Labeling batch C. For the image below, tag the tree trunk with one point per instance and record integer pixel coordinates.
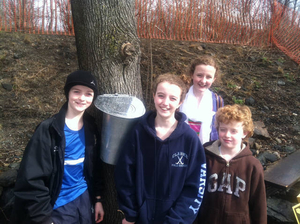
(108, 46)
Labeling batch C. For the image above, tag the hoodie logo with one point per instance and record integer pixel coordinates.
(179, 159)
(92, 82)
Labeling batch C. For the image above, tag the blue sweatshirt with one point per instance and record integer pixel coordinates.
(161, 181)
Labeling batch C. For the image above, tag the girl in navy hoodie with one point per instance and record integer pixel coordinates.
(160, 176)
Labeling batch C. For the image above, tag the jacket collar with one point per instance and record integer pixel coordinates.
(59, 119)
(148, 122)
(213, 147)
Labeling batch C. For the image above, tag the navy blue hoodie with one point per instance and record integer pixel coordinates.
(161, 181)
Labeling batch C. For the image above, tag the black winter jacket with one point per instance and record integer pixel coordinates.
(41, 171)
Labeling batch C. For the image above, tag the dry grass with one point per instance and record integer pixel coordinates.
(37, 66)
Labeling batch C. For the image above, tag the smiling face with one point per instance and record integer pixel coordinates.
(203, 77)
(80, 98)
(167, 99)
(231, 135)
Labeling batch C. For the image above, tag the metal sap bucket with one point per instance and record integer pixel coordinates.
(120, 114)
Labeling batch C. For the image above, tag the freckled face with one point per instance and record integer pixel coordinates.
(167, 99)
(203, 77)
(80, 98)
(231, 134)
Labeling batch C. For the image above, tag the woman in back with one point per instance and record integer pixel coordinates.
(200, 103)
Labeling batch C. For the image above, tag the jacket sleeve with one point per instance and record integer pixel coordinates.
(97, 167)
(125, 182)
(186, 207)
(32, 198)
(258, 200)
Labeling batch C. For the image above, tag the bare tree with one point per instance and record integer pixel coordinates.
(108, 46)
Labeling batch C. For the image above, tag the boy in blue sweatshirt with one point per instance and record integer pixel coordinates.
(160, 176)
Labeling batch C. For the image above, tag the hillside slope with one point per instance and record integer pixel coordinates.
(33, 70)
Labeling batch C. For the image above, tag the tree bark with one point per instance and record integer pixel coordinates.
(108, 46)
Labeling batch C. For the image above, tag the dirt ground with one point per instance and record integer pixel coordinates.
(33, 70)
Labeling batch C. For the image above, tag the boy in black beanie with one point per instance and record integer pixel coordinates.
(58, 180)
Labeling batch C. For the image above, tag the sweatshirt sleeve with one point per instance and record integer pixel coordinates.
(32, 198)
(187, 205)
(125, 182)
(258, 201)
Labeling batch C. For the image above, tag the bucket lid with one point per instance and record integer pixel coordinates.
(120, 105)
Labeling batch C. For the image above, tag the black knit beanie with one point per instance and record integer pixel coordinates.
(83, 78)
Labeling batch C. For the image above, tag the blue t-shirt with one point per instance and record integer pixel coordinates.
(73, 183)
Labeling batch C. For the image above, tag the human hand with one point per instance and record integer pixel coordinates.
(99, 212)
(124, 221)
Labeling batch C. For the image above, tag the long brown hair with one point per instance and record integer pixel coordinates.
(202, 60)
(172, 79)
